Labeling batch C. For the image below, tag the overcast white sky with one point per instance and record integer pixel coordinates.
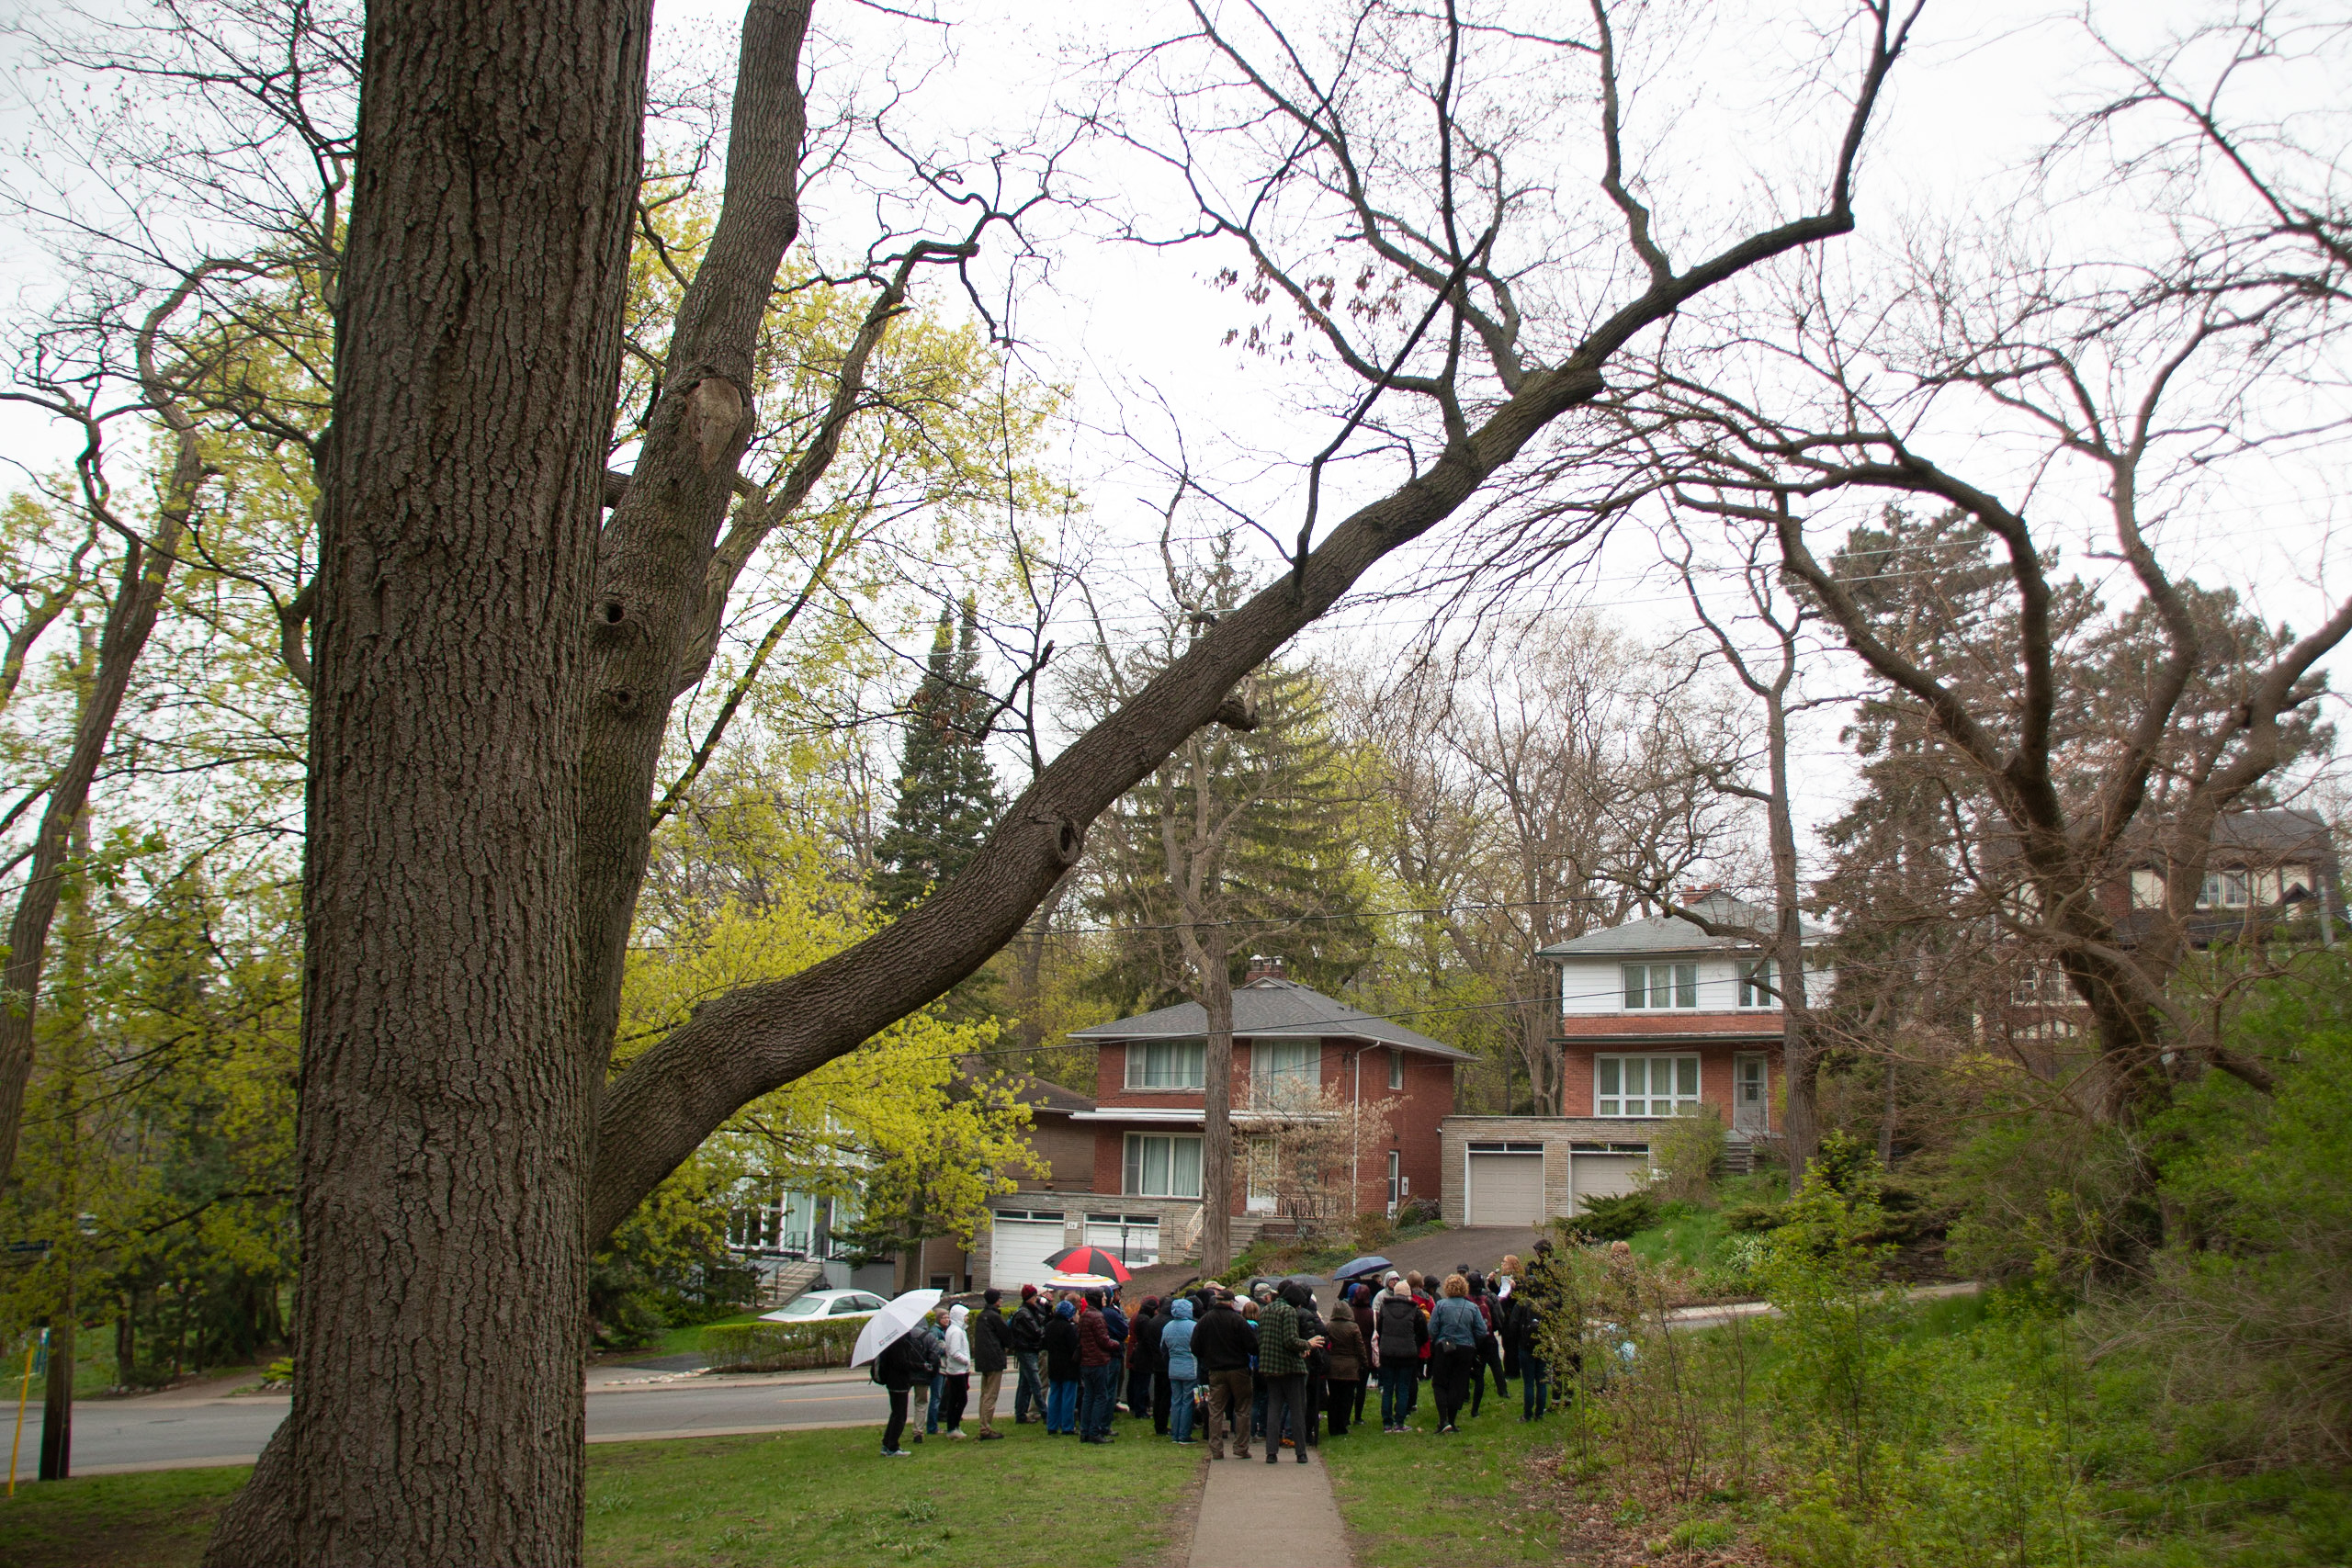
(1127, 328)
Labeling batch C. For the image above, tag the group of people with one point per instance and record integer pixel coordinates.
(1268, 1364)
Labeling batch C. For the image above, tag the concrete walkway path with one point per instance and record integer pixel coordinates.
(1254, 1513)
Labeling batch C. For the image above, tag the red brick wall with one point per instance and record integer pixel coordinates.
(1714, 1073)
(1427, 1095)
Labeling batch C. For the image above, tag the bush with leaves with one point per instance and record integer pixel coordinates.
(1686, 1155)
(1610, 1219)
(1840, 1320)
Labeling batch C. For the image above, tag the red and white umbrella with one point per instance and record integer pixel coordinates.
(1089, 1260)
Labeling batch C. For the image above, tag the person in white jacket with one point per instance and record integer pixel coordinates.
(956, 1366)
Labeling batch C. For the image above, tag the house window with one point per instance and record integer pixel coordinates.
(1644, 1085)
(1396, 1068)
(1285, 1062)
(2223, 890)
(1396, 1170)
(1167, 1063)
(1755, 988)
(1661, 985)
(1162, 1166)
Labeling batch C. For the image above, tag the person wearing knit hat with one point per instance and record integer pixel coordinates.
(1025, 1335)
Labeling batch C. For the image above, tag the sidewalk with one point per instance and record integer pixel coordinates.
(1252, 1513)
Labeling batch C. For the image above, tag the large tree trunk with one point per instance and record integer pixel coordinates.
(1216, 1105)
(445, 1112)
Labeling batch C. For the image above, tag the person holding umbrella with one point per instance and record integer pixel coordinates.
(898, 1356)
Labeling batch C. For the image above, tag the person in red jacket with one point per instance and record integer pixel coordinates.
(1097, 1372)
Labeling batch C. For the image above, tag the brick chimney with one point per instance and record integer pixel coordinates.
(1263, 968)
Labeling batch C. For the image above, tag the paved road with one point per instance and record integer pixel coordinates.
(168, 1431)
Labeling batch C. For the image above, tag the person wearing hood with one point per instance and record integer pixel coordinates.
(955, 1372)
(1345, 1366)
(1061, 1370)
(1183, 1370)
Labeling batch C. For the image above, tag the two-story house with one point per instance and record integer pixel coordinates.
(1658, 1018)
(1294, 1050)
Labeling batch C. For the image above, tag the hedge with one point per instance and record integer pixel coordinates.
(781, 1346)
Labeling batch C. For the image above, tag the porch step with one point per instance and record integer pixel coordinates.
(789, 1281)
(1739, 1156)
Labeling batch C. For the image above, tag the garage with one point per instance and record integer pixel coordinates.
(1133, 1239)
(1505, 1184)
(1605, 1170)
(1019, 1244)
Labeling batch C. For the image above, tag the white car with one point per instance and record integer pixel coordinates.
(826, 1303)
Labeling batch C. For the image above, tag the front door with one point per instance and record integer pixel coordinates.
(1751, 1105)
(1260, 1163)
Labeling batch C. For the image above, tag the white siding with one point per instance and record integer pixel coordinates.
(1591, 985)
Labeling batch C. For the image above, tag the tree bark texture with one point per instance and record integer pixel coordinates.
(57, 1397)
(653, 563)
(1216, 1104)
(445, 1106)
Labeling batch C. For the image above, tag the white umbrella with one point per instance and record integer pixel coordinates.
(892, 1324)
(1080, 1282)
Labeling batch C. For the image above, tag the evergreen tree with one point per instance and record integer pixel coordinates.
(947, 796)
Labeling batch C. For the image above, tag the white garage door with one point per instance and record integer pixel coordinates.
(1018, 1248)
(1133, 1239)
(1610, 1175)
(1506, 1188)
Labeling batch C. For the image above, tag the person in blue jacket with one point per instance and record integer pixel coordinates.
(1183, 1371)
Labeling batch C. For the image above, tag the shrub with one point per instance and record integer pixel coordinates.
(1374, 1231)
(1613, 1218)
(1417, 1211)
(780, 1347)
(1754, 1219)
(1685, 1155)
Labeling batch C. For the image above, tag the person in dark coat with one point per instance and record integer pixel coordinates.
(1221, 1348)
(1026, 1334)
(1097, 1372)
(1143, 1359)
(1061, 1370)
(1359, 1302)
(1318, 1360)
(896, 1369)
(1402, 1332)
(991, 1347)
(1344, 1362)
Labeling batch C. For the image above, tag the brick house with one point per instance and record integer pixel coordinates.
(1141, 1195)
(1658, 1018)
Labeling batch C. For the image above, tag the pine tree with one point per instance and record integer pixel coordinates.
(948, 795)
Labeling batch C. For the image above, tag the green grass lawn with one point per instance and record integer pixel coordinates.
(1469, 1496)
(786, 1498)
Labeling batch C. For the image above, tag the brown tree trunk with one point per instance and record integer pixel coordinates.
(1216, 1105)
(57, 1397)
(139, 595)
(1800, 1058)
(652, 567)
(446, 1110)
